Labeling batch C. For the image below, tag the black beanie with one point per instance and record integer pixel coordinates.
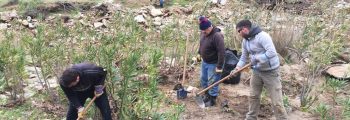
(204, 23)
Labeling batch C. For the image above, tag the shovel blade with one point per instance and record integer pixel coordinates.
(200, 101)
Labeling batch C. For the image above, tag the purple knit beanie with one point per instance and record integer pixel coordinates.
(204, 23)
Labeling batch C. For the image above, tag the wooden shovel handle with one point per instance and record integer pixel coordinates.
(87, 107)
(90, 103)
(185, 63)
(223, 79)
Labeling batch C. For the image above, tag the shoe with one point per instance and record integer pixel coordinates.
(211, 101)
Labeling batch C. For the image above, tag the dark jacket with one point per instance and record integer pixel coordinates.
(212, 47)
(90, 76)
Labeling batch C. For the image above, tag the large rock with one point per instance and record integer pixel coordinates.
(340, 71)
(8, 15)
(25, 23)
(342, 4)
(98, 24)
(157, 21)
(140, 19)
(31, 25)
(156, 12)
(3, 26)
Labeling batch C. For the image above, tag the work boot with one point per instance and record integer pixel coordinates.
(211, 101)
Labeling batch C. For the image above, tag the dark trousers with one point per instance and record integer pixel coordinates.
(101, 102)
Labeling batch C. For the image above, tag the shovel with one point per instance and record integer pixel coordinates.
(88, 106)
(180, 90)
(199, 98)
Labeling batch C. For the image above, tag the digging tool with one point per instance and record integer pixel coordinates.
(180, 91)
(88, 106)
(199, 98)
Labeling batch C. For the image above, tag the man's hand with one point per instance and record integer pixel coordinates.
(98, 90)
(198, 58)
(80, 113)
(217, 70)
(233, 74)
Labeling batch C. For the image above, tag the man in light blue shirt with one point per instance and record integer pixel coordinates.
(258, 46)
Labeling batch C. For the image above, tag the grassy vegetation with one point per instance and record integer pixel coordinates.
(25, 111)
(127, 50)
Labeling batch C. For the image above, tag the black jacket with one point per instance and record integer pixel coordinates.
(90, 75)
(212, 47)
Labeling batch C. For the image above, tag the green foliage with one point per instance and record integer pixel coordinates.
(128, 85)
(346, 109)
(307, 100)
(12, 59)
(28, 5)
(323, 111)
(334, 86)
(286, 102)
(24, 112)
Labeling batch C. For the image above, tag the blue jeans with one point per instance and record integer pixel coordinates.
(208, 77)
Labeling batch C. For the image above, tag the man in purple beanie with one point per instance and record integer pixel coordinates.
(211, 50)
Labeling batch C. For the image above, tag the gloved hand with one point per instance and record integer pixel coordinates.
(197, 59)
(217, 70)
(98, 90)
(80, 113)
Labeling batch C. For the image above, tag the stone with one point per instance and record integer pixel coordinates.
(70, 22)
(156, 12)
(140, 19)
(29, 19)
(3, 26)
(157, 21)
(13, 14)
(98, 24)
(31, 25)
(221, 2)
(8, 15)
(339, 71)
(104, 21)
(141, 11)
(25, 23)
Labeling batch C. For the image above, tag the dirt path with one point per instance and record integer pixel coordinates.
(235, 95)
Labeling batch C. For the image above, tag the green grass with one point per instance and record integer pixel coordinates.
(24, 112)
